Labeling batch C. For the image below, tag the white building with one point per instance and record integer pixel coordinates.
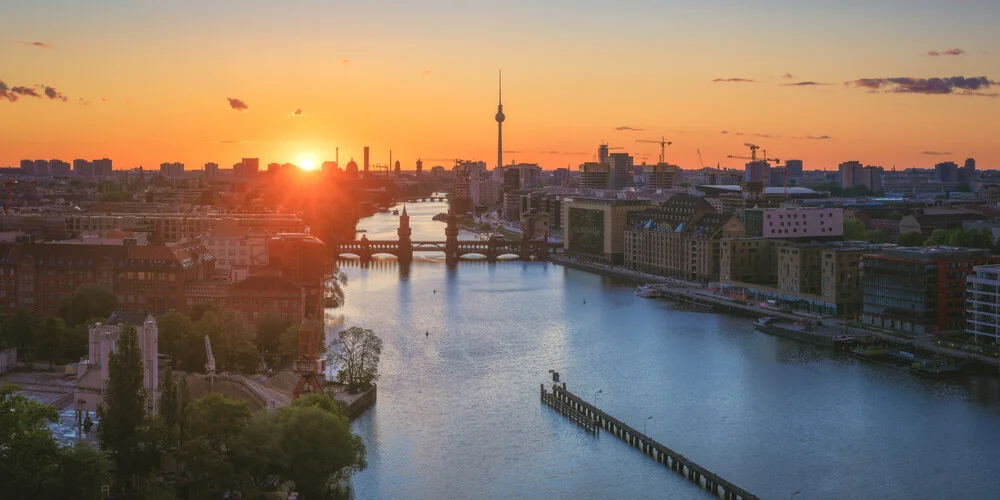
(982, 304)
(92, 373)
(794, 222)
(237, 249)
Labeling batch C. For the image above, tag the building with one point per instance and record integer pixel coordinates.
(621, 165)
(329, 167)
(919, 290)
(794, 171)
(947, 171)
(816, 277)
(926, 221)
(247, 167)
(982, 304)
(594, 228)
(59, 168)
(560, 177)
(853, 174)
(969, 171)
(460, 199)
(211, 170)
(535, 225)
(83, 168)
(178, 227)
(757, 172)
(237, 247)
(175, 169)
(93, 372)
(102, 167)
(146, 278)
(302, 259)
(680, 238)
(595, 176)
(266, 293)
(661, 176)
(812, 223)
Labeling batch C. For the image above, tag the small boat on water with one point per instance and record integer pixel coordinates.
(934, 368)
(648, 292)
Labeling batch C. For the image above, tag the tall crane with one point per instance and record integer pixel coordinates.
(663, 146)
(310, 363)
(753, 155)
(210, 361)
(700, 161)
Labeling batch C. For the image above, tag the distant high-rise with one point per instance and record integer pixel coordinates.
(330, 167)
(41, 168)
(83, 168)
(251, 166)
(850, 171)
(594, 175)
(366, 162)
(969, 171)
(757, 171)
(211, 169)
(59, 168)
(794, 169)
(172, 169)
(500, 118)
(398, 168)
(947, 171)
(621, 170)
(420, 168)
(102, 167)
(602, 154)
(28, 167)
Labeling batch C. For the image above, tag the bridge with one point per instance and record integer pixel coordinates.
(413, 199)
(453, 249)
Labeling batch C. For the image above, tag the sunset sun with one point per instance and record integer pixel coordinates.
(307, 162)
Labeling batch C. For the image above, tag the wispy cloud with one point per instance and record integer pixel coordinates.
(803, 84)
(41, 45)
(626, 128)
(949, 52)
(725, 132)
(237, 104)
(814, 137)
(83, 101)
(427, 72)
(788, 76)
(565, 153)
(765, 136)
(12, 94)
(936, 153)
(297, 113)
(937, 86)
(732, 80)
(345, 60)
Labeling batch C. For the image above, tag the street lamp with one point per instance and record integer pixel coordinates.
(599, 391)
(644, 425)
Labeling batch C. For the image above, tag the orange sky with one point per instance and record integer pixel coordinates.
(154, 81)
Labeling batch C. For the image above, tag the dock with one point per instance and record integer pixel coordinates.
(582, 413)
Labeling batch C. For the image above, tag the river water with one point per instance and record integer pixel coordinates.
(458, 412)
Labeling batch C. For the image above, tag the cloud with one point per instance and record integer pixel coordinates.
(237, 104)
(936, 153)
(626, 128)
(345, 60)
(802, 84)
(297, 113)
(52, 93)
(83, 101)
(725, 131)
(732, 80)
(427, 72)
(787, 76)
(949, 52)
(910, 85)
(40, 45)
(510, 152)
(815, 137)
(765, 136)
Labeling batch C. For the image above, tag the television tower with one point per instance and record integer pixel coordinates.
(500, 117)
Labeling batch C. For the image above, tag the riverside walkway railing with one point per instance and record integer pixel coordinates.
(579, 411)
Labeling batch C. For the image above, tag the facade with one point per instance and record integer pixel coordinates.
(661, 176)
(175, 169)
(982, 304)
(92, 373)
(926, 221)
(211, 169)
(178, 227)
(621, 170)
(302, 259)
(268, 293)
(822, 223)
(680, 239)
(853, 174)
(757, 172)
(919, 290)
(236, 247)
(949, 171)
(102, 167)
(149, 278)
(594, 176)
(794, 171)
(59, 168)
(83, 168)
(594, 228)
(818, 277)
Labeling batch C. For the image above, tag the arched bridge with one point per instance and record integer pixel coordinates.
(491, 249)
(413, 199)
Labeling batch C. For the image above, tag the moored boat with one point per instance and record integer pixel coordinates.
(934, 368)
(647, 291)
(799, 330)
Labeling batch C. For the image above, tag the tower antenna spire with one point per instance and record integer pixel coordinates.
(500, 118)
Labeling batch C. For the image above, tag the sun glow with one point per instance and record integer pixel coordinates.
(307, 162)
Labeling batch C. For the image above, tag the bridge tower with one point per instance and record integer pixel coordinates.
(451, 239)
(405, 255)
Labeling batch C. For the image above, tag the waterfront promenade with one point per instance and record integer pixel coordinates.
(696, 293)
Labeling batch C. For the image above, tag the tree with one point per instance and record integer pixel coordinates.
(894, 215)
(123, 411)
(356, 353)
(168, 406)
(321, 451)
(215, 424)
(334, 284)
(911, 239)
(270, 327)
(232, 340)
(86, 303)
(83, 471)
(19, 330)
(172, 327)
(832, 187)
(854, 230)
(938, 237)
(53, 338)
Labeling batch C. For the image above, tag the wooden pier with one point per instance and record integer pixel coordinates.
(580, 412)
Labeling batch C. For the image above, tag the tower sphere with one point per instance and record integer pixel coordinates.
(500, 117)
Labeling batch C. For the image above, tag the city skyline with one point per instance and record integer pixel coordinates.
(276, 82)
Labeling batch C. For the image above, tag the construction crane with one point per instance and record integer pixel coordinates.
(700, 161)
(663, 146)
(10, 183)
(210, 361)
(309, 363)
(753, 155)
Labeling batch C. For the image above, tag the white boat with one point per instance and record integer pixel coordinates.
(647, 291)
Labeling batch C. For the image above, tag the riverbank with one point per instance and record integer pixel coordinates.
(698, 294)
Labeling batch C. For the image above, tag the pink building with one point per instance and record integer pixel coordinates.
(823, 223)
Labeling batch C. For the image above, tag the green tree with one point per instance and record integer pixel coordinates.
(172, 327)
(19, 330)
(831, 187)
(938, 237)
(53, 338)
(168, 406)
(355, 352)
(122, 414)
(320, 449)
(854, 230)
(232, 340)
(270, 327)
(216, 424)
(86, 303)
(894, 215)
(911, 239)
(199, 310)
(83, 471)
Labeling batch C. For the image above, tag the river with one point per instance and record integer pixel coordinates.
(458, 412)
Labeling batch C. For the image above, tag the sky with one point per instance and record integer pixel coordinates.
(886, 82)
